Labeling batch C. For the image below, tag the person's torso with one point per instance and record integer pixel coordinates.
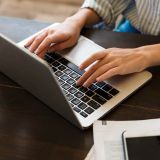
(144, 15)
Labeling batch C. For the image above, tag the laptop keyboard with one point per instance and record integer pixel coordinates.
(83, 100)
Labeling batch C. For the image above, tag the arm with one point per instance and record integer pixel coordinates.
(116, 61)
(64, 35)
(107, 10)
(67, 33)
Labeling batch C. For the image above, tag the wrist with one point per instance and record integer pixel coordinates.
(151, 55)
(83, 18)
(75, 21)
(79, 19)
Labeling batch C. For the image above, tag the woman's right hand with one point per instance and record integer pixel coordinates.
(59, 37)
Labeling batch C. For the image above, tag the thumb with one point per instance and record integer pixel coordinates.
(61, 46)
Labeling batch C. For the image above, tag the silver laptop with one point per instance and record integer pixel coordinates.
(52, 80)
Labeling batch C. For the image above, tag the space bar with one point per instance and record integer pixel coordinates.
(71, 65)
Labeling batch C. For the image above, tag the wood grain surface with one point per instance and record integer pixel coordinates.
(29, 130)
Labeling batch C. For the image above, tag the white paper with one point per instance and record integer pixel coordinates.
(108, 138)
(91, 154)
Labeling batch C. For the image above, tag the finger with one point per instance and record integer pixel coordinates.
(91, 70)
(60, 46)
(100, 71)
(37, 41)
(87, 74)
(56, 38)
(110, 73)
(30, 41)
(42, 54)
(93, 58)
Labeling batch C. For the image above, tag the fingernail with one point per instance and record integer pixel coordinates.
(85, 85)
(77, 83)
(81, 66)
(99, 80)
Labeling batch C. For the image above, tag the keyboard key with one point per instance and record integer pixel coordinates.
(78, 77)
(72, 105)
(83, 89)
(70, 81)
(74, 75)
(64, 77)
(89, 93)
(58, 73)
(113, 92)
(54, 69)
(75, 101)
(71, 66)
(69, 97)
(48, 59)
(62, 67)
(64, 61)
(93, 87)
(83, 114)
(100, 84)
(94, 104)
(76, 109)
(66, 86)
(99, 99)
(65, 92)
(82, 106)
(61, 82)
(89, 110)
(72, 90)
(79, 94)
(55, 64)
(107, 87)
(67, 71)
(75, 86)
(85, 99)
(103, 94)
(55, 56)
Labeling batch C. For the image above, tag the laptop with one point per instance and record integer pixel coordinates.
(52, 80)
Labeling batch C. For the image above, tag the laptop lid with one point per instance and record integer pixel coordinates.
(22, 67)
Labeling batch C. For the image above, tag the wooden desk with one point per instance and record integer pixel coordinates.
(29, 130)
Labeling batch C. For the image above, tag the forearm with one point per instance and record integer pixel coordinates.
(84, 17)
(152, 54)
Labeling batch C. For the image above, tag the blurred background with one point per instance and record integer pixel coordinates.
(41, 10)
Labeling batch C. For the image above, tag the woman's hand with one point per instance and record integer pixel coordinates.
(64, 35)
(54, 39)
(111, 62)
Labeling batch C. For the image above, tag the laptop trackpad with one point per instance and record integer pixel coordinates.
(81, 51)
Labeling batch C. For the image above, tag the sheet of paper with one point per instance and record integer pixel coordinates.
(90, 155)
(108, 138)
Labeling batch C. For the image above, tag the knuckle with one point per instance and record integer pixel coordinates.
(49, 39)
(121, 71)
(95, 55)
(62, 33)
(59, 47)
(50, 30)
(38, 39)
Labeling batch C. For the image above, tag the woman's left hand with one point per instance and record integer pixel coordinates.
(111, 62)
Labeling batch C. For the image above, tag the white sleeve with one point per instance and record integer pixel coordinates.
(108, 10)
